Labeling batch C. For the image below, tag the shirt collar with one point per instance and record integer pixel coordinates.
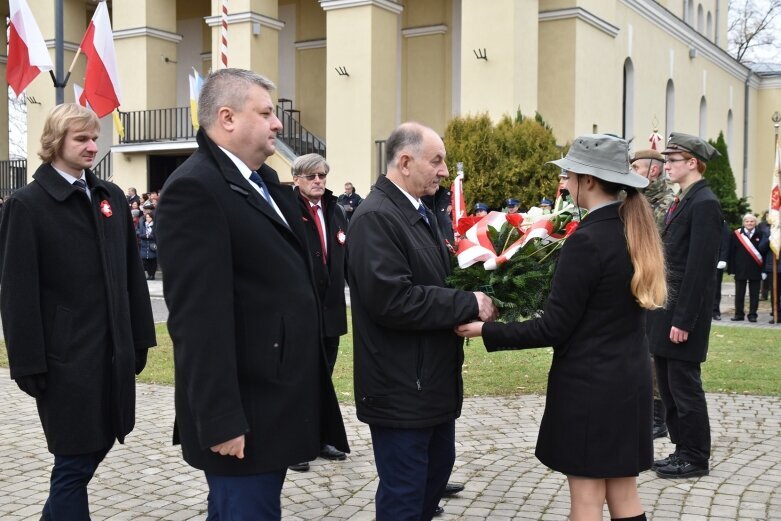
(70, 178)
(243, 169)
(414, 202)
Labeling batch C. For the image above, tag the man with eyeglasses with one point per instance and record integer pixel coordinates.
(678, 335)
(326, 226)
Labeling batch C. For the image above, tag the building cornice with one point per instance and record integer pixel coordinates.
(768, 82)
(68, 46)
(583, 15)
(247, 16)
(388, 5)
(426, 30)
(137, 148)
(149, 32)
(304, 45)
(686, 34)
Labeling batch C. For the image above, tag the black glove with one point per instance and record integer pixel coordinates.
(141, 359)
(32, 384)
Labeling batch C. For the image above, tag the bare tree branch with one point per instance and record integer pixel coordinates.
(752, 25)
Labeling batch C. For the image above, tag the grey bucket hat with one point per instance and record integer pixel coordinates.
(603, 156)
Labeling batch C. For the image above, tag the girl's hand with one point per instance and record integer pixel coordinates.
(470, 330)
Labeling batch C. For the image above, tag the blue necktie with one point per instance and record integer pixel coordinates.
(255, 178)
(81, 184)
(422, 212)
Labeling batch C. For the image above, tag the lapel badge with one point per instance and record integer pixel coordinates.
(341, 237)
(105, 208)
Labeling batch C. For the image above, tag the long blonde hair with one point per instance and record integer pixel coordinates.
(649, 284)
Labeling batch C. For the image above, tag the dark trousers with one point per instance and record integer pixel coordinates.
(414, 466)
(717, 297)
(68, 489)
(150, 266)
(740, 297)
(245, 498)
(687, 411)
(331, 345)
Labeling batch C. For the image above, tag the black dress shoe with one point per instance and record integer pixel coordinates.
(737, 319)
(451, 489)
(438, 511)
(716, 315)
(300, 467)
(664, 461)
(681, 469)
(752, 319)
(332, 453)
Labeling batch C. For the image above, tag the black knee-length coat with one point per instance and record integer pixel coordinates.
(75, 306)
(597, 420)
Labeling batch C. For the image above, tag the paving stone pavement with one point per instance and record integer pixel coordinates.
(146, 479)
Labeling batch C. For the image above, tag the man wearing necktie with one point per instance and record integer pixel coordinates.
(253, 392)
(747, 251)
(326, 226)
(408, 359)
(678, 335)
(75, 306)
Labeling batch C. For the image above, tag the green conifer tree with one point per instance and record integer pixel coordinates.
(722, 182)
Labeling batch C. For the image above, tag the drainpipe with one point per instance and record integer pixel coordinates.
(745, 135)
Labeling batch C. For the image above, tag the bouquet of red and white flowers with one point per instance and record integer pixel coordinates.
(511, 257)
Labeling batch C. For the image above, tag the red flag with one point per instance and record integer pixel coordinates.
(27, 54)
(101, 81)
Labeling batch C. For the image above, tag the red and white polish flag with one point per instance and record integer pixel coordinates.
(27, 53)
(101, 81)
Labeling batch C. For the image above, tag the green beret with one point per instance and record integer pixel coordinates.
(647, 154)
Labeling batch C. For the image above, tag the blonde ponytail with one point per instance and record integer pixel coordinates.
(649, 285)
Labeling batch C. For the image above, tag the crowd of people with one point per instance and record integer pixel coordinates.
(256, 338)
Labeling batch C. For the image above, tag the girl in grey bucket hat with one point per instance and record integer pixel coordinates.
(596, 428)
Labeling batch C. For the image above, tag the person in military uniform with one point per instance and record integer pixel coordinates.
(659, 194)
(650, 164)
(678, 335)
(481, 209)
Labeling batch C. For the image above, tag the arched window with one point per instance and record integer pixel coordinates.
(669, 110)
(628, 107)
(730, 130)
(700, 19)
(703, 118)
(709, 26)
(688, 14)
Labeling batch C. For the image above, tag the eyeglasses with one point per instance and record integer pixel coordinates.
(311, 177)
(674, 160)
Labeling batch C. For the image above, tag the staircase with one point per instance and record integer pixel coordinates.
(293, 134)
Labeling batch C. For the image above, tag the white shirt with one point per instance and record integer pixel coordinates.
(414, 202)
(246, 172)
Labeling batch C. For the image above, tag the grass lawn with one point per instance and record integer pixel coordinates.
(740, 360)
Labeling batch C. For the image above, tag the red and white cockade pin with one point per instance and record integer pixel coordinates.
(105, 208)
(340, 236)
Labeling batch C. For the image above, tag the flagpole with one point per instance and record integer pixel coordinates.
(774, 267)
(59, 53)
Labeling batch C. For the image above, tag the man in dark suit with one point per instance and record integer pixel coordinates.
(678, 335)
(75, 306)
(747, 250)
(253, 394)
(326, 226)
(407, 365)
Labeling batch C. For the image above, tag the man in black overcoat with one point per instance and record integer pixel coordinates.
(253, 393)
(325, 222)
(75, 306)
(678, 334)
(407, 366)
(747, 249)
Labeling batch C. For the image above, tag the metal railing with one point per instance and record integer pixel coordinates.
(143, 126)
(103, 168)
(298, 138)
(13, 175)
